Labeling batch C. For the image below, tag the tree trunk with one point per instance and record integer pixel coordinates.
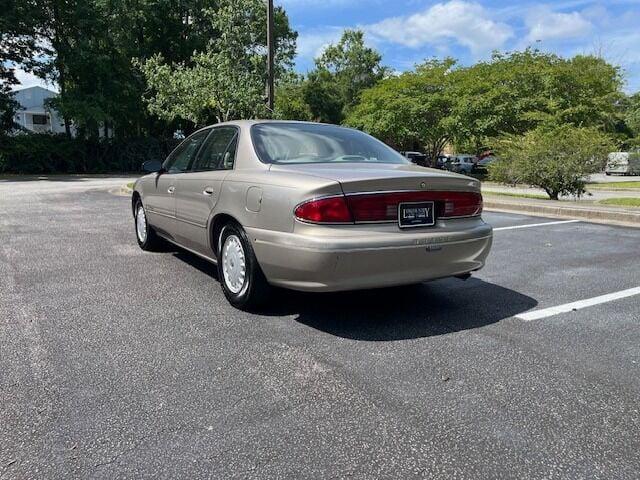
(553, 195)
(57, 43)
(435, 149)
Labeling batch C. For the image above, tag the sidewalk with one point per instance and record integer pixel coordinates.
(593, 194)
(581, 209)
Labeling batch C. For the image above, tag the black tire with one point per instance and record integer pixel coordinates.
(254, 290)
(150, 241)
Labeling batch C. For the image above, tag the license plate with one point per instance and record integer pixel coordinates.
(418, 214)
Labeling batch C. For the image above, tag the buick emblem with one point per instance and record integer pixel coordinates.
(423, 185)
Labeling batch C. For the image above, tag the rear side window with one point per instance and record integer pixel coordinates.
(218, 153)
(181, 157)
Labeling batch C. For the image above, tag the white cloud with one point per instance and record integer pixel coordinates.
(620, 47)
(543, 24)
(311, 44)
(466, 23)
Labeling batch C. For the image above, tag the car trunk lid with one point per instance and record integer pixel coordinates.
(359, 178)
(377, 193)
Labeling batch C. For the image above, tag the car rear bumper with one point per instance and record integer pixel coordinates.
(367, 259)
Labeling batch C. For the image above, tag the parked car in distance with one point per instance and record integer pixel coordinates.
(481, 165)
(623, 163)
(441, 161)
(416, 157)
(310, 207)
(461, 163)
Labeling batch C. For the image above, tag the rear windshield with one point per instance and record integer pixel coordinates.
(318, 143)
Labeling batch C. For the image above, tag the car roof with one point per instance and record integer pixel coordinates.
(249, 123)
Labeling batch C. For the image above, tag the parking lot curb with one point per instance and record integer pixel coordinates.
(589, 213)
(122, 191)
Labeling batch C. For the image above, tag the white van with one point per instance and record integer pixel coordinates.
(623, 163)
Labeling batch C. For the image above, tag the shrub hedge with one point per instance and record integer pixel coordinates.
(46, 153)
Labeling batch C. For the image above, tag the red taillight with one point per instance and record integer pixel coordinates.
(383, 207)
(324, 210)
(380, 207)
(460, 204)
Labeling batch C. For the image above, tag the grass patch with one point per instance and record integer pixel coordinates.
(614, 185)
(622, 202)
(518, 195)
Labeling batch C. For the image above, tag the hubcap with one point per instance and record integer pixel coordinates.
(141, 224)
(233, 264)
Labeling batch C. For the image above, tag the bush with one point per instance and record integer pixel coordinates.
(45, 153)
(555, 159)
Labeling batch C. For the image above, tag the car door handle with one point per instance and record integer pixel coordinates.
(171, 189)
(208, 191)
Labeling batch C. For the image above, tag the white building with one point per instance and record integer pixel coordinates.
(34, 114)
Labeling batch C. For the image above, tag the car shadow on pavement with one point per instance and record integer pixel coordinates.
(401, 313)
(388, 314)
(187, 257)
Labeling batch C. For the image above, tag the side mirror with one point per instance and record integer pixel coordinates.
(152, 166)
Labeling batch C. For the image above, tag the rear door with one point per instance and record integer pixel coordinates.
(198, 190)
(160, 201)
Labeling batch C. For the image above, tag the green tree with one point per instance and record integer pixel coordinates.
(290, 103)
(556, 158)
(18, 46)
(92, 44)
(333, 87)
(322, 95)
(632, 116)
(516, 92)
(227, 79)
(412, 110)
(352, 65)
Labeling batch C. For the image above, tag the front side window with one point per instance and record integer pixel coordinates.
(181, 157)
(218, 153)
(282, 142)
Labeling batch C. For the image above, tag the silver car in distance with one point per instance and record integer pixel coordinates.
(309, 207)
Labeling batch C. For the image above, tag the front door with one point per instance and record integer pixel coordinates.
(160, 203)
(160, 199)
(198, 190)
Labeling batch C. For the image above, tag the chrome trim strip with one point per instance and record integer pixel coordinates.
(191, 223)
(373, 222)
(376, 192)
(309, 222)
(162, 214)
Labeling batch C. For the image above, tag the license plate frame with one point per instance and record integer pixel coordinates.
(417, 218)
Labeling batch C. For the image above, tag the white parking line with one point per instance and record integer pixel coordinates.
(569, 307)
(535, 225)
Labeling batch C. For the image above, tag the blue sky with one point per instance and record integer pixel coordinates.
(408, 31)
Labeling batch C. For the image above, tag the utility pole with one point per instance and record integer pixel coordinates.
(270, 55)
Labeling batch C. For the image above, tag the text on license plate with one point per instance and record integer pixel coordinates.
(417, 214)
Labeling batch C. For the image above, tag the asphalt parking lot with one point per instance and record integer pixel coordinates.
(115, 363)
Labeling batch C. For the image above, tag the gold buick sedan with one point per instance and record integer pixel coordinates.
(310, 207)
